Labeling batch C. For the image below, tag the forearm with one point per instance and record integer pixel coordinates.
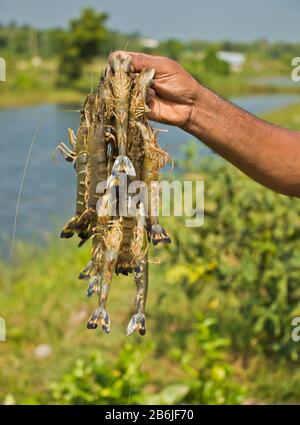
(267, 153)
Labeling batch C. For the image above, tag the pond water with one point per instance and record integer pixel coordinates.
(48, 195)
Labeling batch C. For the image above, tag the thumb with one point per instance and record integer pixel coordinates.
(153, 104)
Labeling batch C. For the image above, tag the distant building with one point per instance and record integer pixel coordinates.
(36, 61)
(2, 69)
(2, 329)
(150, 43)
(234, 59)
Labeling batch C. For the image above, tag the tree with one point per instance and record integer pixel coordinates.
(172, 48)
(215, 65)
(87, 37)
(88, 33)
(70, 66)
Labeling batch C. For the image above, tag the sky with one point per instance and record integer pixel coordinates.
(239, 20)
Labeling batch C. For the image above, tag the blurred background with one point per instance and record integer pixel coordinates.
(222, 296)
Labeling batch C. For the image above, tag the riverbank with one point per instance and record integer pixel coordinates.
(63, 96)
(238, 85)
(29, 85)
(288, 117)
(11, 99)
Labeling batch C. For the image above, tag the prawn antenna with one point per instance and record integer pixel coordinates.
(126, 46)
(92, 82)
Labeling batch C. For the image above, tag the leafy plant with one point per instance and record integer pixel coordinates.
(205, 361)
(94, 381)
(249, 250)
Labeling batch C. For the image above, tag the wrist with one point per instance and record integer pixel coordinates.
(204, 113)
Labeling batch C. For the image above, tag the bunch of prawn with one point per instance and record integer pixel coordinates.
(114, 140)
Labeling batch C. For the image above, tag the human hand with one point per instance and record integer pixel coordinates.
(174, 92)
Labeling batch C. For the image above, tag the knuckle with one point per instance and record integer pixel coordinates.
(142, 60)
(116, 53)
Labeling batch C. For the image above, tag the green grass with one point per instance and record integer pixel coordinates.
(14, 99)
(27, 84)
(43, 302)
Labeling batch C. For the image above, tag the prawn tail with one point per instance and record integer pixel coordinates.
(158, 234)
(99, 316)
(69, 229)
(122, 164)
(82, 226)
(137, 322)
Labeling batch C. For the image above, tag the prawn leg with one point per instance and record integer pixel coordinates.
(154, 159)
(79, 155)
(66, 152)
(113, 242)
(138, 320)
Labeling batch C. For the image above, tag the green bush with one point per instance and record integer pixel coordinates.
(248, 254)
(209, 378)
(205, 361)
(94, 381)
